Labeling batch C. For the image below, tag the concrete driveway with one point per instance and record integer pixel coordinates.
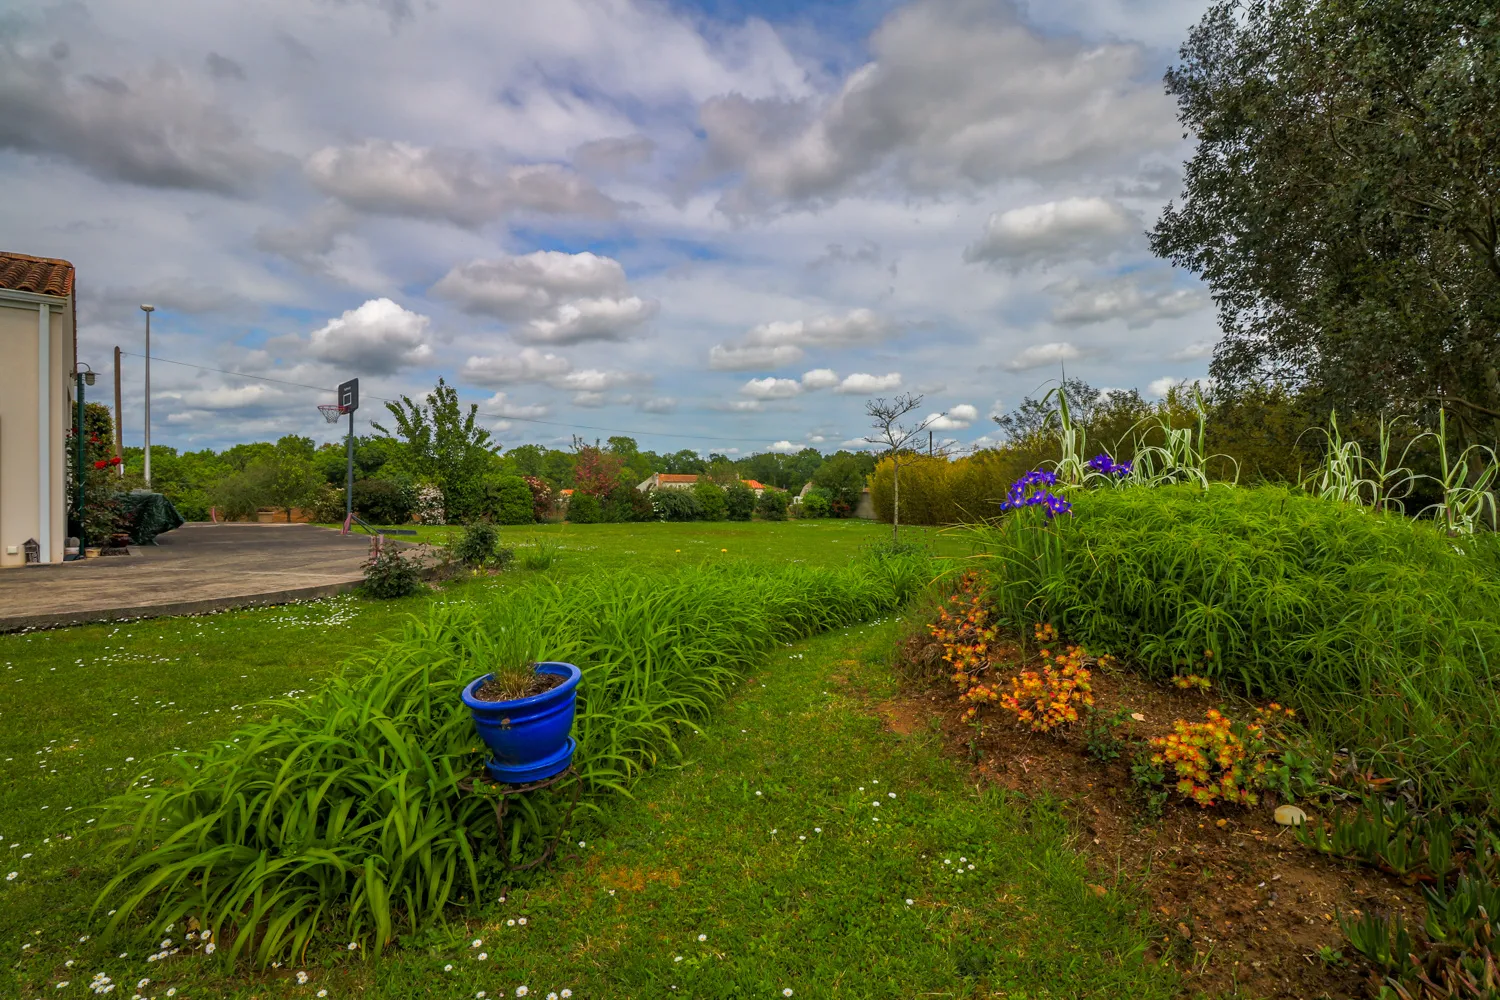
(192, 569)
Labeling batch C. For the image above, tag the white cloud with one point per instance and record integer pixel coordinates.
(727, 358)
(771, 388)
(858, 327)
(526, 365)
(1042, 355)
(1052, 232)
(819, 378)
(500, 405)
(862, 383)
(1160, 387)
(399, 178)
(958, 94)
(1196, 351)
(957, 418)
(589, 319)
(785, 447)
(1138, 300)
(598, 380)
(590, 399)
(556, 297)
(783, 342)
(657, 404)
(380, 337)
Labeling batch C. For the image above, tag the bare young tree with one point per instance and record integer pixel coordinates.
(895, 436)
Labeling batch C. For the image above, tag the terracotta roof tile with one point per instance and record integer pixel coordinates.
(672, 477)
(753, 484)
(43, 275)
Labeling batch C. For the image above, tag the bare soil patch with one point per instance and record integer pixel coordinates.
(1243, 908)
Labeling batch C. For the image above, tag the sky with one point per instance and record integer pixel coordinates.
(721, 225)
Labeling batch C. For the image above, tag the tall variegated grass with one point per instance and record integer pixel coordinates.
(1384, 631)
(340, 817)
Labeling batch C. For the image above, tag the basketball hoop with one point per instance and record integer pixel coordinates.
(331, 412)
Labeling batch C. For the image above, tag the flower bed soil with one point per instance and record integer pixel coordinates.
(1242, 906)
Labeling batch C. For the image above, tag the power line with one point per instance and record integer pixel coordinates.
(497, 416)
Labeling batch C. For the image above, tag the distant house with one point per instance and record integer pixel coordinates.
(667, 481)
(677, 481)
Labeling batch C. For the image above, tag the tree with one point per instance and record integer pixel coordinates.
(444, 446)
(711, 502)
(739, 502)
(290, 482)
(897, 438)
(508, 500)
(1342, 202)
(596, 472)
(772, 505)
(842, 479)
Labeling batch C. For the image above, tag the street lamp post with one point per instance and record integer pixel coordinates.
(148, 310)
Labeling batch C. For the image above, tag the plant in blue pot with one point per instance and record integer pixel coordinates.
(523, 708)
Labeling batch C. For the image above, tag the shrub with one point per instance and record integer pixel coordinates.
(1383, 631)
(712, 505)
(1051, 698)
(626, 503)
(772, 504)
(739, 502)
(389, 574)
(428, 506)
(543, 500)
(584, 508)
(675, 505)
(476, 546)
(328, 505)
(380, 501)
(339, 813)
(508, 500)
(816, 503)
(1218, 759)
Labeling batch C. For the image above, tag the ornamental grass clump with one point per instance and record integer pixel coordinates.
(510, 654)
(339, 817)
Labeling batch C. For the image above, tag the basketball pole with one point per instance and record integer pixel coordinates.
(349, 476)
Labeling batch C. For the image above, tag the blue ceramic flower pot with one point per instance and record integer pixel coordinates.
(528, 738)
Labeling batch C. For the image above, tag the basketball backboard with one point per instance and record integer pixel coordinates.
(349, 396)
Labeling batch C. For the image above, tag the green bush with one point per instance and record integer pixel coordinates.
(815, 503)
(772, 504)
(585, 508)
(379, 501)
(712, 505)
(675, 505)
(626, 503)
(339, 815)
(1383, 632)
(508, 500)
(476, 546)
(739, 502)
(389, 574)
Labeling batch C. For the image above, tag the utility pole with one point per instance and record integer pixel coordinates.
(148, 310)
(119, 449)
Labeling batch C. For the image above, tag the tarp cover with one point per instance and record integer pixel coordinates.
(150, 514)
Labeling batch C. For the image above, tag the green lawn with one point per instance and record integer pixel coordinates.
(693, 854)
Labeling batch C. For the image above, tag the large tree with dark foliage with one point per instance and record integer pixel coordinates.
(1343, 201)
